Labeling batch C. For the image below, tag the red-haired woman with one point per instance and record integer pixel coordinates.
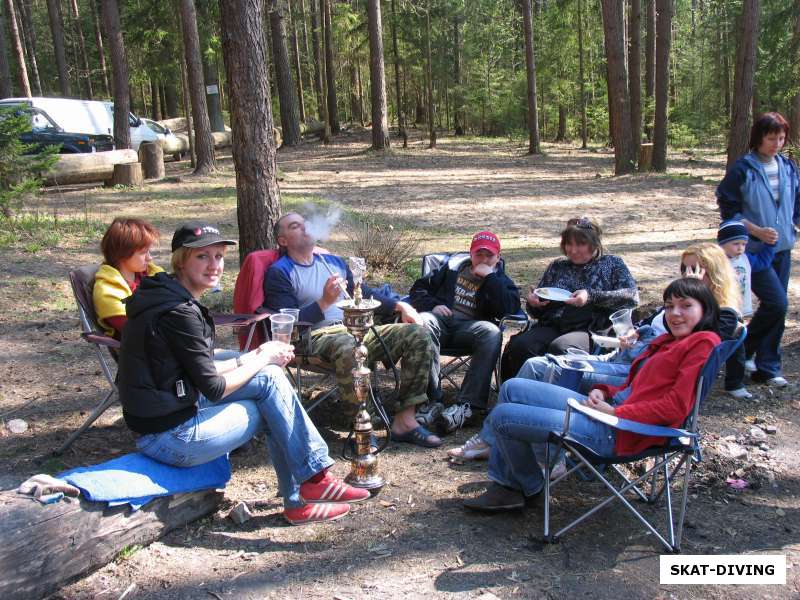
(762, 190)
(126, 249)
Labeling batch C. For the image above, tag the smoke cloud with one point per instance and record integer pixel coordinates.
(320, 222)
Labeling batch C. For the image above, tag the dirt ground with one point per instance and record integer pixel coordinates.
(414, 540)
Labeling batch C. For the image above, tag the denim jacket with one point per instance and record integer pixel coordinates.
(745, 193)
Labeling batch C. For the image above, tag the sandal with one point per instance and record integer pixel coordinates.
(418, 436)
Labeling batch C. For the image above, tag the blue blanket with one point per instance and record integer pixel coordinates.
(136, 479)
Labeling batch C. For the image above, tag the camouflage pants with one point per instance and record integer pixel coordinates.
(406, 342)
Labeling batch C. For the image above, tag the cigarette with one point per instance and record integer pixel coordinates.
(342, 284)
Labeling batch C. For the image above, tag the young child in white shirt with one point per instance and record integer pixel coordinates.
(733, 239)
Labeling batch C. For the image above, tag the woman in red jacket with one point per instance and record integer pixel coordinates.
(659, 390)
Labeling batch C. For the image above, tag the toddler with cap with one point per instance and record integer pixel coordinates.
(733, 239)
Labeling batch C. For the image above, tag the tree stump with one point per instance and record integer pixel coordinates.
(44, 546)
(152, 161)
(645, 158)
(128, 175)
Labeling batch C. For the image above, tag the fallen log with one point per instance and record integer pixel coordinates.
(222, 139)
(42, 547)
(87, 168)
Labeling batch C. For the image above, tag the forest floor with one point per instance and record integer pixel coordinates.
(414, 540)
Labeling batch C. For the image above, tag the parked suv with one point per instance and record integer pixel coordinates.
(45, 132)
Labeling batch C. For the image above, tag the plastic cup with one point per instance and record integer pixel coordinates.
(621, 321)
(295, 312)
(281, 326)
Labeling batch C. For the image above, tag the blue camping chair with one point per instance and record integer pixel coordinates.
(681, 449)
(460, 352)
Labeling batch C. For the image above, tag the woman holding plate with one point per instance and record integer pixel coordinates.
(575, 295)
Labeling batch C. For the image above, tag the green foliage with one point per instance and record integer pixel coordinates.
(21, 165)
(681, 135)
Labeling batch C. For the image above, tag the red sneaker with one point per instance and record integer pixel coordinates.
(315, 513)
(331, 489)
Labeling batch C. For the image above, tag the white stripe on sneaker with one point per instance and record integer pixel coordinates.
(324, 495)
(342, 490)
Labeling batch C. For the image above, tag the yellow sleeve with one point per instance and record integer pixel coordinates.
(110, 288)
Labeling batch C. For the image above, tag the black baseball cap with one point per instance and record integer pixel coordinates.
(196, 234)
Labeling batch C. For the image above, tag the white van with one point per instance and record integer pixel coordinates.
(87, 116)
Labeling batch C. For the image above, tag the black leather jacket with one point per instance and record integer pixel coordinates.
(167, 357)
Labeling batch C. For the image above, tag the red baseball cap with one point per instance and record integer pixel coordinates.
(485, 240)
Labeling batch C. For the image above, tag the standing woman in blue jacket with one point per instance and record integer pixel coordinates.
(762, 190)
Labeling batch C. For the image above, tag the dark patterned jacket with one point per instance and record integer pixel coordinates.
(609, 283)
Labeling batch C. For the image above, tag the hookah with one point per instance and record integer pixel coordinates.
(358, 320)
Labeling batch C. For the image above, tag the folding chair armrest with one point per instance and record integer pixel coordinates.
(102, 340)
(627, 424)
(240, 320)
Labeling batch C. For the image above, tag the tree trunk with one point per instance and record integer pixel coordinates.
(290, 120)
(155, 101)
(330, 71)
(458, 96)
(635, 72)
(187, 112)
(298, 72)
(213, 94)
(663, 42)
(171, 99)
(377, 77)
(5, 62)
(98, 37)
(258, 197)
(319, 64)
(304, 46)
(19, 53)
(429, 76)
(204, 141)
(87, 73)
(57, 29)
(619, 107)
(749, 25)
(582, 83)
(794, 115)
(30, 43)
(561, 133)
(650, 66)
(401, 126)
(119, 67)
(530, 70)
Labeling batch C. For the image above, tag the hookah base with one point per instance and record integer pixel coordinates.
(373, 483)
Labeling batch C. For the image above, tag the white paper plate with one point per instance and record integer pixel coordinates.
(605, 341)
(552, 293)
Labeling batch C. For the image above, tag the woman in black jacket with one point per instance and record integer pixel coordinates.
(189, 408)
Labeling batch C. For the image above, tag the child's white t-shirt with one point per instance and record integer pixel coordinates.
(742, 269)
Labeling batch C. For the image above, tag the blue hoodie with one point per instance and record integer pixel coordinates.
(745, 193)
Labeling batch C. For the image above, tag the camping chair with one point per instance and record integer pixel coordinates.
(460, 354)
(680, 449)
(105, 347)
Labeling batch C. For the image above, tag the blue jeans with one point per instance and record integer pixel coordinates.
(765, 331)
(541, 368)
(266, 403)
(526, 414)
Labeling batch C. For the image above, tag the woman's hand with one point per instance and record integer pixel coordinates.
(579, 298)
(442, 311)
(597, 401)
(535, 301)
(628, 340)
(275, 353)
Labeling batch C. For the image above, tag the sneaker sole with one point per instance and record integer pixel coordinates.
(471, 455)
(494, 509)
(316, 520)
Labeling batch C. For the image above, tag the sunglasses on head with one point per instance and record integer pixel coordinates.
(580, 223)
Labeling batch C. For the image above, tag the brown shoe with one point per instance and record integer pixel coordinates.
(496, 498)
